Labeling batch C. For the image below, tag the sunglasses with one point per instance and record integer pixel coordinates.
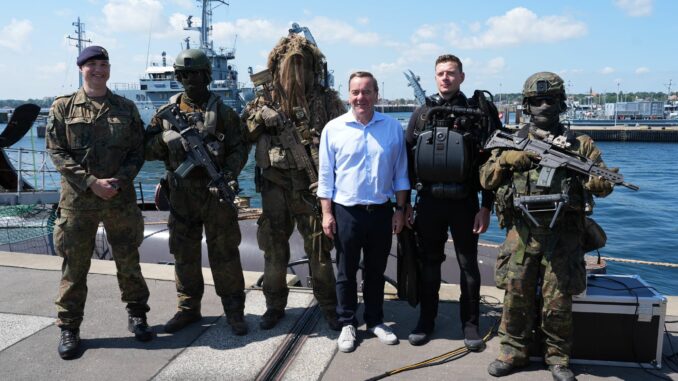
(537, 101)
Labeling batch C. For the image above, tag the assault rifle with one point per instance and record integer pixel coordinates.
(552, 155)
(296, 141)
(199, 153)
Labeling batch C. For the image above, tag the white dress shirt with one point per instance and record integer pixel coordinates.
(362, 164)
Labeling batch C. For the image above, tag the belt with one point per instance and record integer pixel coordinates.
(373, 207)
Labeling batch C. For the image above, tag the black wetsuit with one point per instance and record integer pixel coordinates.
(434, 216)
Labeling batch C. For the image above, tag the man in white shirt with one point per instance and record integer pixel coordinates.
(363, 163)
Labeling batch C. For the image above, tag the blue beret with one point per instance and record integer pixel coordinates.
(92, 53)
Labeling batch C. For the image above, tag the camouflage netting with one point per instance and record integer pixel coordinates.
(27, 228)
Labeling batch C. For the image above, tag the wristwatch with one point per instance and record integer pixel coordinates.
(399, 208)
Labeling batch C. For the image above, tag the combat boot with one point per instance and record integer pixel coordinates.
(181, 319)
(331, 319)
(69, 344)
(139, 327)
(498, 368)
(561, 373)
(237, 323)
(270, 318)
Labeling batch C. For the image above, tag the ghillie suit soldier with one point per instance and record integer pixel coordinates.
(285, 122)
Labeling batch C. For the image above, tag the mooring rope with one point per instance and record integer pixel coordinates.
(637, 261)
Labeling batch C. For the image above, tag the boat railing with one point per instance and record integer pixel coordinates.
(117, 86)
(33, 166)
(28, 177)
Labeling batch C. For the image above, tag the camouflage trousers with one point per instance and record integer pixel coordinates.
(192, 207)
(546, 263)
(281, 209)
(74, 238)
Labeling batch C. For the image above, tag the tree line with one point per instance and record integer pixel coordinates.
(504, 98)
(12, 103)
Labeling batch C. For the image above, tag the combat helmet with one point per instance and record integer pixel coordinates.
(545, 83)
(193, 60)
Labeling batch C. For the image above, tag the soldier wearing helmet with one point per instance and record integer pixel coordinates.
(300, 100)
(533, 251)
(193, 205)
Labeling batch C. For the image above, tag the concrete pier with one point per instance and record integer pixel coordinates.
(208, 351)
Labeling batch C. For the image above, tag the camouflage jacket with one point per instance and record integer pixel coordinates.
(277, 163)
(508, 184)
(87, 144)
(221, 121)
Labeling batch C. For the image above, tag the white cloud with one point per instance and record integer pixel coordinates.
(186, 4)
(65, 12)
(134, 15)
(425, 32)
(330, 31)
(107, 41)
(475, 27)
(566, 72)
(363, 20)
(518, 25)
(15, 35)
(56, 68)
(607, 70)
(642, 70)
(495, 65)
(635, 8)
(248, 30)
(492, 67)
(407, 56)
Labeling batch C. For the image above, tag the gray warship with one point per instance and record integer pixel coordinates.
(159, 82)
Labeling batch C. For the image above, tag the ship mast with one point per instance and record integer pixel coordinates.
(205, 28)
(79, 42)
(668, 92)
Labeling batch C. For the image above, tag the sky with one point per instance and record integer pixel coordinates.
(602, 45)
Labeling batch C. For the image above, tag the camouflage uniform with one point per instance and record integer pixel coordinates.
(193, 206)
(87, 143)
(530, 254)
(285, 193)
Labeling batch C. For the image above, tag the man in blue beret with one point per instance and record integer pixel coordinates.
(92, 53)
(95, 139)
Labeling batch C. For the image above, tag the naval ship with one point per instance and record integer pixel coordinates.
(159, 82)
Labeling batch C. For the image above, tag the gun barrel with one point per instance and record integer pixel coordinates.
(630, 186)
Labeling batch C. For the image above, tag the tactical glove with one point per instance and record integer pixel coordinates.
(175, 147)
(270, 117)
(518, 160)
(599, 186)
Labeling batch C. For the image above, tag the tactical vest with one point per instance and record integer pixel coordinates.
(545, 204)
(209, 130)
(270, 148)
(443, 157)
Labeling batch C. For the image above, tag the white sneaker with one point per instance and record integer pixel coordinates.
(384, 333)
(346, 341)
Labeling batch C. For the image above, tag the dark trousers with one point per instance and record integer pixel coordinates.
(370, 231)
(434, 217)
